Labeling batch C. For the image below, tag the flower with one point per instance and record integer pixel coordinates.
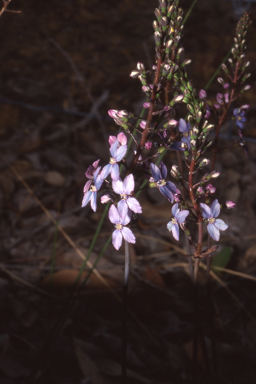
(184, 128)
(119, 216)
(90, 191)
(178, 219)
(167, 188)
(124, 189)
(214, 225)
(117, 152)
(239, 117)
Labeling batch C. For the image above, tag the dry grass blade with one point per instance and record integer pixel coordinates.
(162, 242)
(20, 280)
(236, 273)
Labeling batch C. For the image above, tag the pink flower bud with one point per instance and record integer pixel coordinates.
(230, 204)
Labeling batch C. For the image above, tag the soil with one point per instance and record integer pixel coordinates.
(64, 64)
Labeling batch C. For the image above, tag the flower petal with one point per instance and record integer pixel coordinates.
(206, 211)
(98, 182)
(113, 215)
(117, 239)
(113, 148)
(87, 186)
(87, 197)
(115, 172)
(215, 208)
(181, 216)
(175, 231)
(129, 184)
(120, 153)
(155, 172)
(220, 224)
(169, 225)
(94, 201)
(128, 235)
(175, 209)
(134, 205)
(118, 186)
(182, 125)
(171, 187)
(122, 138)
(106, 171)
(166, 192)
(213, 232)
(123, 212)
(163, 170)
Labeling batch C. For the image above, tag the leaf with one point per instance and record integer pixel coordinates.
(222, 258)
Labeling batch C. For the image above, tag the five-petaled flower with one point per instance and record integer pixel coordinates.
(185, 128)
(214, 225)
(124, 189)
(239, 117)
(117, 154)
(179, 218)
(167, 188)
(120, 217)
(90, 191)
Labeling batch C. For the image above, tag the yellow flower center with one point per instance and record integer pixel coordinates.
(93, 188)
(161, 183)
(118, 226)
(112, 161)
(212, 220)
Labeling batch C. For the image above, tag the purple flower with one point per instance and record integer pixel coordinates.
(178, 219)
(184, 128)
(167, 188)
(124, 189)
(90, 191)
(119, 216)
(239, 116)
(214, 225)
(117, 154)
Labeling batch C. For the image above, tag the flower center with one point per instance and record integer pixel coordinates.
(124, 196)
(185, 134)
(118, 226)
(174, 221)
(112, 160)
(93, 188)
(211, 220)
(161, 183)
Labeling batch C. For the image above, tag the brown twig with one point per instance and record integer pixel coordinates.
(4, 7)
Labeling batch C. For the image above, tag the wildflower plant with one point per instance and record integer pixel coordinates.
(165, 126)
(177, 117)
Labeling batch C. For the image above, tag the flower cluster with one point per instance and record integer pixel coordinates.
(166, 86)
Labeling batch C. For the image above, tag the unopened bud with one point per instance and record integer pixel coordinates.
(215, 174)
(140, 66)
(204, 162)
(178, 98)
(134, 74)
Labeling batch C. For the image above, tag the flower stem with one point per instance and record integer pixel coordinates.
(124, 312)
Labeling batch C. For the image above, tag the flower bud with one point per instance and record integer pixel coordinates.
(215, 174)
(230, 204)
(204, 162)
(134, 74)
(140, 66)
